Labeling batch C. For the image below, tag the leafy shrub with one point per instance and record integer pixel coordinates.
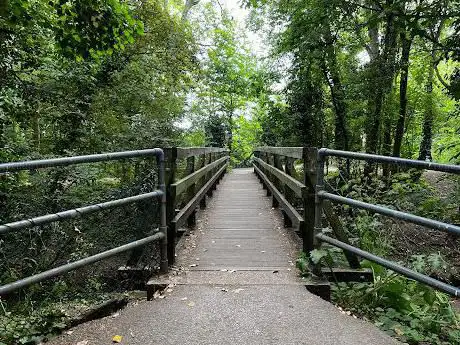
(403, 308)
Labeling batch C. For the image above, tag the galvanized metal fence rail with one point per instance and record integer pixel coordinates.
(205, 166)
(46, 219)
(322, 196)
(276, 169)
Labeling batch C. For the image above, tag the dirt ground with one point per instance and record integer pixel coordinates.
(410, 239)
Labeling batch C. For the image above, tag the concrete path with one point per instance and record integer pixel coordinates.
(235, 283)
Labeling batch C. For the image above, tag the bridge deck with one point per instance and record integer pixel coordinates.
(234, 283)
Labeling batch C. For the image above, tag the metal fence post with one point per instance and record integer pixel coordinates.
(170, 176)
(163, 224)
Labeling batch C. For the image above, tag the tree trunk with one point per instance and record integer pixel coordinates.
(230, 131)
(187, 7)
(406, 43)
(384, 69)
(386, 147)
(338, 100)
(333, 78)
(427, 135)
(36, 131)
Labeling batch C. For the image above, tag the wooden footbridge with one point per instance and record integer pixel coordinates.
(227, 272)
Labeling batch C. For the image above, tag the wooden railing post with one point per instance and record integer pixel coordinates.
(269, 175)
(170, 176)
(278, 183)
(309, 168)
(203, 162)
(211, 173)
(289, 169)
(191, 220)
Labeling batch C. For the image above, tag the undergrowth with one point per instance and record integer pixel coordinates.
(31, 322)
(403, 308)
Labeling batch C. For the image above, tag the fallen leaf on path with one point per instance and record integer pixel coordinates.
(398, 331)
(83, 342)
(191, 304)
(238, 290)
(117, 338)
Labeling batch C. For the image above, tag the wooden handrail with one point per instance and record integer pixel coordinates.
(297, 187)
(292, 152)
(181, 186)
(184, 152)
(205, 166)
(269, 168)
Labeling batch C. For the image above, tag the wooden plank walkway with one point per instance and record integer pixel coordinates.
(242, 230)
(234, 283)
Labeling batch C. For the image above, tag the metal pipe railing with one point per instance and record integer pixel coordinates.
(434, 224)
(430, 223)
(46, 219)
(64, 161)
(77, 212)
(5, 289)
(448, 168)
(452, 290)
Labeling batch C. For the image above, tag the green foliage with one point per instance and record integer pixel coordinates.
(230, 93)
(32, 324)
(87, 28)
(194, 138)
(402, 307)
(245, 139)
(342, 79)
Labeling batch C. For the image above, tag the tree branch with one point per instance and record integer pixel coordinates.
(441, 80)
